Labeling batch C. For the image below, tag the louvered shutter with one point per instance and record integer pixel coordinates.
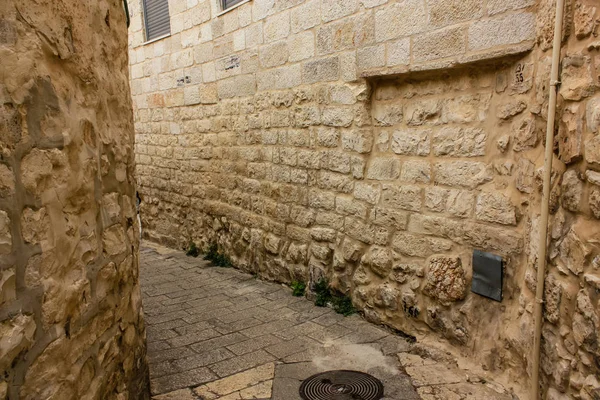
(229, 3)
(156, 17)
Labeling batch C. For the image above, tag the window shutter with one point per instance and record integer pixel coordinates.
(156, 17)
(229, 3)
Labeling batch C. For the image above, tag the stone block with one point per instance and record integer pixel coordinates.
(400, 19)
(456, 202)
(594, 202)
(469, 174)
(113, 241)
(36, 168)
(191, 95)
(495, 207)
(335, 182)
(365, 232)
(359, 140)
(7, 181)
(423, 112)
(16, 335)
(592, 115)
(465, 109)
(398, 52)
(525, 176)
(333, 9)
(390, 217)
(348, 70)
(383, 168)
(347, 34)
(274, 54)
(593, 177)
(327, 137)
(372, 3)
(301, 46)
(277, 27)
(585, 20)
(5, 234)
(387, 114)
(525, 134)
(254, 35)
(448, 12)
(306, 16)
(459, 142)
(592, 151)
(343, 94)
(413, 245)
(439, 44)
(371, 57)
(236, 86)
(337, 161)
(446, 280)
(348, 206)
(416, 171)
(239, 40)
(501, 31)
(367, 192)
(35, 227)
(8, 288)
(577, 77)
(404, 197)
(182, 59)
(208, 93)
(499, 6)
(572, 191)
(413, 142)
(279, 78)
(322, 70)
(508, 110)
(337, 116)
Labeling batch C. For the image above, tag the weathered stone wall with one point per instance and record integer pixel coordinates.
(330, 138)
(70, 310)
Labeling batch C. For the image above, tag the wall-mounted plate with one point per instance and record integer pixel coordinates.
(487, 275)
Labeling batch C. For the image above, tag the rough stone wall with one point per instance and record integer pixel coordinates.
(308, 141)
(71, 325)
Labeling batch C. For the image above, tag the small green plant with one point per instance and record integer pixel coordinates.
(218, 259)
(212, 252)
(342, 304)
(323, 293)
(298, 288)
(192, 250)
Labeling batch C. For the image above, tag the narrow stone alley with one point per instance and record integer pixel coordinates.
(218, 333)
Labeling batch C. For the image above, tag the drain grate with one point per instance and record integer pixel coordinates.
(341, 385)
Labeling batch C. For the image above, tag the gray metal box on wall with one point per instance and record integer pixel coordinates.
(487, 275)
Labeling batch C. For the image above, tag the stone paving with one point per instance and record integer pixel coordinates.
(217, 333)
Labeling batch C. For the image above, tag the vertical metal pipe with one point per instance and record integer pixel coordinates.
(543, 229)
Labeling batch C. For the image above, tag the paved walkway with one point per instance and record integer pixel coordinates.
(216, 333)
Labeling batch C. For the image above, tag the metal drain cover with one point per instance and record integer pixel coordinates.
(341, 385)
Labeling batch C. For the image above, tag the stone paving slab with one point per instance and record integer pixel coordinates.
(217, 333)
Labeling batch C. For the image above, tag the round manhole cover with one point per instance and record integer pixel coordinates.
(341, 385)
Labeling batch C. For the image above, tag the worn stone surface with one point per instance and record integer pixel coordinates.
(260, 342)
(446, 279)
(70, 308)
(313, 135)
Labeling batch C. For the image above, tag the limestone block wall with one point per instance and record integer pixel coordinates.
(71, 325)
(377, 144)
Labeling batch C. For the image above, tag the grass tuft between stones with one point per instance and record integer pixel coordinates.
(298, 288)
(326, 296)
(218, 258)
(192, 250)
